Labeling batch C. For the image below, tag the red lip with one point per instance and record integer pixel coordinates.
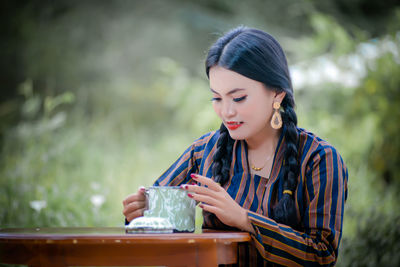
(232, 125)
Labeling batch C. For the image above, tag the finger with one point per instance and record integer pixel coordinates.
(205, 199)
(200, 190)
(206, 181)
(133, 198)
(133, 215)
(133, 207)
(209, 208)
(138, 196)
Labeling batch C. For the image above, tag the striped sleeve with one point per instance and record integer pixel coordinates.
(325, 194)
(189, 162)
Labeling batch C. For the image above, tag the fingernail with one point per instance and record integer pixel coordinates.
(193, 175)
(193, 183)
(186, 187)
(190, 195)
(201, 205)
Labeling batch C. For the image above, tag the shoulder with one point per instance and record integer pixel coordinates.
(205, 141)
(207, 137)
(321, 165)
(314, 149)
(210, 137)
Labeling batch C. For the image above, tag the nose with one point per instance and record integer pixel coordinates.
(228, 110)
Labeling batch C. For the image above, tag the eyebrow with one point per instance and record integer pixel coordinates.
(230, 92)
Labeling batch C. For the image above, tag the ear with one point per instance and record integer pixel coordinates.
(279, 96)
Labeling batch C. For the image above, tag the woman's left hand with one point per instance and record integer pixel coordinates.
(216, 200)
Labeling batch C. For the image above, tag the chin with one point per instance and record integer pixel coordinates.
(235, 135)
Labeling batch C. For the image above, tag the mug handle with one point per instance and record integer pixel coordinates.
(146, 194)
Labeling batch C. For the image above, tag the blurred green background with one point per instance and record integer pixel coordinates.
(100, 97)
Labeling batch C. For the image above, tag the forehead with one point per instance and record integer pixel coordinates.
(223, 80)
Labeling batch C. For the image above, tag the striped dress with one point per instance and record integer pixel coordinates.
(320, 196)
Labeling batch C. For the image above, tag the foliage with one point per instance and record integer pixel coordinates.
(375, 243)
(379, 97)
(65, 168)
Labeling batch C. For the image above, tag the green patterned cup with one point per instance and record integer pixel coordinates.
(172, 203)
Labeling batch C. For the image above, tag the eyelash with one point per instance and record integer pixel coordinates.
(235, 99)
(240, 98)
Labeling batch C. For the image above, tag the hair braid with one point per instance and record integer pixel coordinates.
(285, 211)
(223, 156)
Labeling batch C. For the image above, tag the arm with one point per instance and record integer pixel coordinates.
(325, 193)
(187, 163)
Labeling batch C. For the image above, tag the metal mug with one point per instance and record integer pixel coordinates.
(169, 209)
(172, 203)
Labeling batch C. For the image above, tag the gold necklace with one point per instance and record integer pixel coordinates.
(265, 164)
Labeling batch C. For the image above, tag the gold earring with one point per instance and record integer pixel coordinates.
(276, 121)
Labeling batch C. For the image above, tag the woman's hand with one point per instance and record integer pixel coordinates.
(134, 205)
(216, 200)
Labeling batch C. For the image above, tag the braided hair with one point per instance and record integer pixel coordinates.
(258, 56)
(222, 157)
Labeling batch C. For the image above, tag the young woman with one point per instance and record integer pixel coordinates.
(259, 172)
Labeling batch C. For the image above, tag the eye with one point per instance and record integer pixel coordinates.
(216, 99)
(240, 98)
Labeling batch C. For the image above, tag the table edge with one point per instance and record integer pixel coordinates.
(213, 235)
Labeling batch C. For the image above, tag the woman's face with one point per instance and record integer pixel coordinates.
(244, 105)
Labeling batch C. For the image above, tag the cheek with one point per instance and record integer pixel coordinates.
(263, 104)
(250, 110)
(217, 109)
(258, 112)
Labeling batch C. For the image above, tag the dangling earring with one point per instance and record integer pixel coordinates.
(276, 121)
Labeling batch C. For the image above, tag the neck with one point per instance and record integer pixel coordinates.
(264, 141)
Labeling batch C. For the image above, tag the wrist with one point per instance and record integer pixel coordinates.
(245, 223)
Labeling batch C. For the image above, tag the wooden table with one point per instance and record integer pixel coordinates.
(113, 247)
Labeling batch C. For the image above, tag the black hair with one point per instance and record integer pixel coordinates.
(258, 56)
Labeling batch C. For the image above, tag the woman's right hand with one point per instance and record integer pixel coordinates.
(134, 205)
